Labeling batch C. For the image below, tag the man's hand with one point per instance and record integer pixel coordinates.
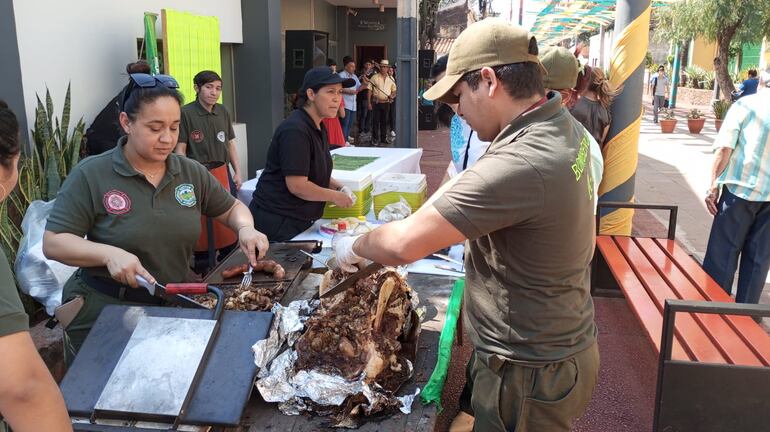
(343, 200)
(253, 243)
(712, 197)
(346, 258)
(237, 180)
(124, 266)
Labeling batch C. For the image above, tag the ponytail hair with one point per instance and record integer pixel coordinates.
(604, 90)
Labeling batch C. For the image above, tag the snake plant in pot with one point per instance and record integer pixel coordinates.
(720, 107)
(42, 169)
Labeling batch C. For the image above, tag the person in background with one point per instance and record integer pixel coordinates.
(349, 96)
(104, 132)
(392, 113)
(30, 401)
(383, 91)
(659, 85)
(593, 107)
(333, 125)
(564, 76)
(464, 142)
(749, 85)
(297, 181)
(206, 131)
(739, 199)
(332, 64)
(135, 211)
(364, 113)
(525, 210)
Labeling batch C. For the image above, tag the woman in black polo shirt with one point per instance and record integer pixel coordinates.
(297, 180)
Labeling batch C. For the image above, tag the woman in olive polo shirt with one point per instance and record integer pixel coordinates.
(29, 397)
(297, 180)
(139, 206)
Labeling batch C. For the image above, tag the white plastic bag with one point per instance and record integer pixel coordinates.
(41, 278)
(395, 211)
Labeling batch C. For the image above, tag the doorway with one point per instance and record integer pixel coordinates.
(369, 52)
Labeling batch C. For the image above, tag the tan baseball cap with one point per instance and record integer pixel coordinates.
(487, 43)
(562, 67)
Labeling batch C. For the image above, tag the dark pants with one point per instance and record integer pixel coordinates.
(277, 227)
(347, 122)
(392, 116)
(364, 117)
(515, 397)
(380, 126)
(657, 105)
(740, 228)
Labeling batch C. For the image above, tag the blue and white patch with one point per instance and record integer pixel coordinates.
(185, 195)
(221, 136)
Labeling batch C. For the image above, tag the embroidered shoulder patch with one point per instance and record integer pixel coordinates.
(116, 202)
(185, 195)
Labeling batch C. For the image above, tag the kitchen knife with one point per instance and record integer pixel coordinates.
(351, 280)
(159, 290)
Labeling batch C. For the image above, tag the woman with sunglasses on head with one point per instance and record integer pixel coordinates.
(29, 397)
(139, 207)
(297, 180)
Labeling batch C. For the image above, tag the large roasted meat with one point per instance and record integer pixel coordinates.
(358, 332)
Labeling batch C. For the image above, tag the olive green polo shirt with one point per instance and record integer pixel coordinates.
(106, 199)
(526, 207)
(207, 134)
(12, 316)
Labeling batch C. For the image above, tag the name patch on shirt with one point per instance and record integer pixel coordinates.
(196, 136)
(116, 202)
(185, 195)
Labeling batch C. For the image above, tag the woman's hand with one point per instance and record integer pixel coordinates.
(253, 243)
(124, 266)
(341, 199)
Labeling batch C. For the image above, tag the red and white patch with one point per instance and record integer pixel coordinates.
(196, 136)
(117, 202)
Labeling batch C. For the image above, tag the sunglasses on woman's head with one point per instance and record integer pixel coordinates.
(142, 80)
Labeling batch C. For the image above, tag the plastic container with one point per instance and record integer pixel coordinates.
(389, 188)
(362, 189)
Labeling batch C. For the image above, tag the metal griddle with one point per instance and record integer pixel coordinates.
(219, 393)
(285, 253)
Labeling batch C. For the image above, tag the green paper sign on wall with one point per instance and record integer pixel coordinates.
(190, 44)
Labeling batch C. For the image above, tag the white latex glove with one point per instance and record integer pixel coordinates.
(346, 258)
(349, 192)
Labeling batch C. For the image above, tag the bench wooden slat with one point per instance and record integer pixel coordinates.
(644, 308)
(693, 338)
(751, 332)
(724, 337)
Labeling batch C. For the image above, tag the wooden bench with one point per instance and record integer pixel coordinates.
(713, 372)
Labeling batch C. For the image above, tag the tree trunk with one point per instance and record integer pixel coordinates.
(428, 13)
(720, 66)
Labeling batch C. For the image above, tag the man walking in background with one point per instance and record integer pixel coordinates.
(659, 85)
(741, 172)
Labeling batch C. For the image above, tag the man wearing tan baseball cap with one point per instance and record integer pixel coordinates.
(526, 210)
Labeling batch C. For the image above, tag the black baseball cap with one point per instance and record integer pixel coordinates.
(323, 75)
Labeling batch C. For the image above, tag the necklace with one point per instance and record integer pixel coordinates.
(146, 174)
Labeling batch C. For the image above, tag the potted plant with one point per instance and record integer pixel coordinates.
(667, 120)
(720, 108)
(695, 121)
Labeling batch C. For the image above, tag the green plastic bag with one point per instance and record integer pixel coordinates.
(432, 391)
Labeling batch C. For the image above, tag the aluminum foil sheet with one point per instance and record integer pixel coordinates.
(293, 392)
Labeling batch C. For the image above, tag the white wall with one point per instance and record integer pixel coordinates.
(89, 42)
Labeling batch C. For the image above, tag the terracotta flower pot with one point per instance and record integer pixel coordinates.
(695, 125)
(667, 126)
(718, 123)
